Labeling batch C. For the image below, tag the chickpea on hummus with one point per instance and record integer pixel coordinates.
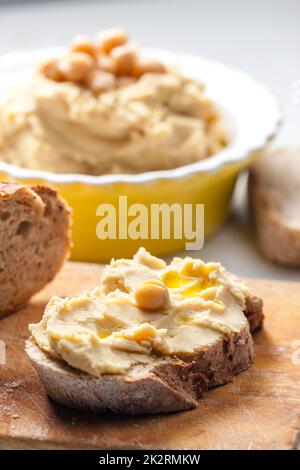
(143, 310)
(103, 108)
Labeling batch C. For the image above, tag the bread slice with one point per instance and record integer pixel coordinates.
(172, 384)
(34, 241)
(254, 313)
(274, 187)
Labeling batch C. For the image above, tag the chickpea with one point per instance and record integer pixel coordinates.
(106, 63)
(125, 81)
(124, 58)
(75, 66)
(82, 43)
(143, 66)
(111, 38)
(99, 81)
(152, 295)
(50, 70)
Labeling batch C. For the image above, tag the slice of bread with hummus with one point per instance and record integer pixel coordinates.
(149, 339)
(34, 241)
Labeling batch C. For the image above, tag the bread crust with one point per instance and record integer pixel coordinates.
(254, 312)
(34, 241)
(172, 384)
(273, 188)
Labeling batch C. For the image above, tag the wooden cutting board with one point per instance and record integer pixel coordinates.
(259, 409)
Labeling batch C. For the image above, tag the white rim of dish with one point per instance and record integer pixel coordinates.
(255, 111)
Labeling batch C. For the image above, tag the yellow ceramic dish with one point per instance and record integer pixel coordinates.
(252, 115)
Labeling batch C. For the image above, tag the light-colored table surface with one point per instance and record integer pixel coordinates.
(262, 38)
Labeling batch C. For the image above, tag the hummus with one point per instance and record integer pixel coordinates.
(105, 331)
(160, 121)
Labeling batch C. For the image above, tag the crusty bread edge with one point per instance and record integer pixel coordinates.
(135, 395)
(7, 190)
(146, 393)
(276, 240)
(172, 384)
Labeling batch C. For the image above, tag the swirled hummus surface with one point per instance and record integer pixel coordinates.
(108, 330)
(161, 121)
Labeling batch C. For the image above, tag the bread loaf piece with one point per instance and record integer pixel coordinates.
(274, 188)
(254, 313)
(172, 384)
(34, 241)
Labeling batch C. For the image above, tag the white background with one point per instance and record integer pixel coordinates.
(261, 37)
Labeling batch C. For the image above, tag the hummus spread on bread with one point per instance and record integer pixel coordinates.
(155, 119)
(143, 310)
